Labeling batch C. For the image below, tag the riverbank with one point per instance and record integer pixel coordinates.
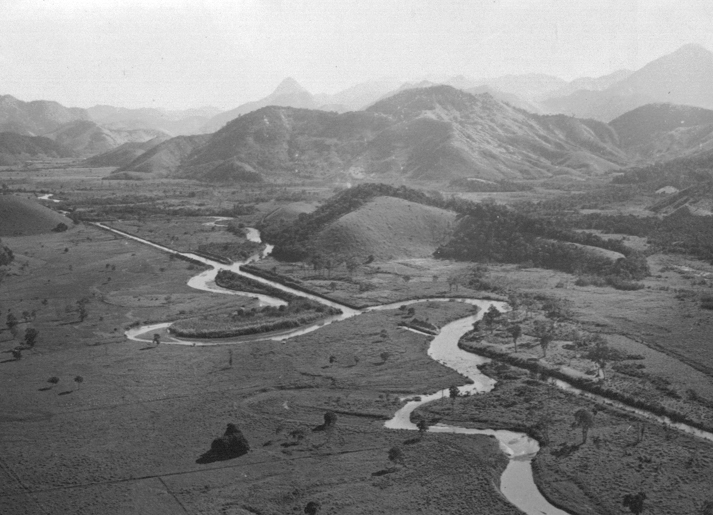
(623, 453)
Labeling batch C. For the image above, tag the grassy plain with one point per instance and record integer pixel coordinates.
(130, 438)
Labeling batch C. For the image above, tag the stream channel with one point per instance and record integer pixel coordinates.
(516, 483)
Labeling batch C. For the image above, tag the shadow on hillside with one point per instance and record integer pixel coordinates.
(384, 472)
(212, 456)
(148, 348)
(565, 450)
(66, 392)
(8, 360)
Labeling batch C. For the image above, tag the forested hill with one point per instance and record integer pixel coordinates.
(292, 241)
(483, 232)
(682, 172)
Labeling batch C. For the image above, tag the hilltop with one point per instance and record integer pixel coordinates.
(23, 217)
(386, 228)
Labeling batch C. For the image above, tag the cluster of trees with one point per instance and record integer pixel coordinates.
(477, 185)
(493, 233)
(485, 232)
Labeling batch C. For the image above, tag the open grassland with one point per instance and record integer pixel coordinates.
(131, 437)
(119, 283)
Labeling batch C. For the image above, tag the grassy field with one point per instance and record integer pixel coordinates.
(132, 437)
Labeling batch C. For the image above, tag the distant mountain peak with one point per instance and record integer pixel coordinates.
(289, 86)
(693, 48)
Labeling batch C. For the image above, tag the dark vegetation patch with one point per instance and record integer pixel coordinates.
(484, 233)
(296, 313)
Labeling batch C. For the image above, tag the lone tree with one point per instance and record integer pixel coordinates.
(330, 419)
(601, 354)
(635, 502)
(231, 445)
(384, 356)
(31, 336)
(79, 380)
(82, 308)
(515, 332)
(156, 339)
(490, 317)
(53, 381)
(312, 508)
(584, 419)
(422, 426)
(453, 393)
(11, 323)
(396, 455)
(545, 332)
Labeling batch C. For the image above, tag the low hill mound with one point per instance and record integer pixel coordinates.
(387, 228)
(23, 217)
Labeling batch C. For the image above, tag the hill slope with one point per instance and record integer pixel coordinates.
(37, 117)
(167, 156)
(386, 228)
(659, 132)
(124, 154)
(288, 93)
(436, 134)
(88, 138)
(15, 148)
(23, 217)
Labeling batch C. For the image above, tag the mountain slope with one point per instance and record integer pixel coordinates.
(167, 156)
(124, 154)
(16, 148)
(35, 118)
(175, 123)
(87, 138)
(682, 77)
(435, 134)
(288, 93)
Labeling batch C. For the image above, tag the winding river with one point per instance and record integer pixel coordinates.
(516, 483)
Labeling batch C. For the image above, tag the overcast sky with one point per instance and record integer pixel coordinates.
(190, 53)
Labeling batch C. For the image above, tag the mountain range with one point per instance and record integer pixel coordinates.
(510, 127)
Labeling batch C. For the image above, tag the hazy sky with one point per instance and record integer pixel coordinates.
(189, 53)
